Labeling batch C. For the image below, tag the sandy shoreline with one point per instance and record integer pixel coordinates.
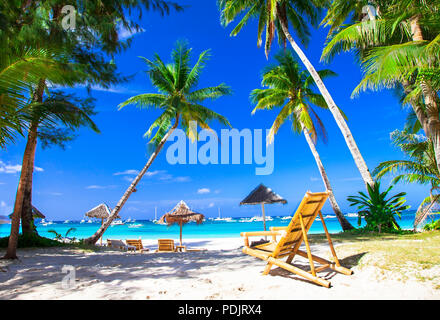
(221, 272)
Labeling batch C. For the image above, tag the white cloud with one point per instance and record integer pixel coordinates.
(95, 187)
(5, 209)
(314, 179)
(153, 173)
(126, 172)
(124, 33)
(15, 168)
(211, 205)
(182, 179)
(203, 191)
(352, 179)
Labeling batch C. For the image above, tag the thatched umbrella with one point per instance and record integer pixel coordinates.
(36, 214)
(3, 220)
(262, 195)
(181, 214)
(101, 211)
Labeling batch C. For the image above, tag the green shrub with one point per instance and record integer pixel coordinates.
(434, 225)
(378, 211)
(32, 241)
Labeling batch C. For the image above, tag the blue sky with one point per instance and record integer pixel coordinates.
(97, 168)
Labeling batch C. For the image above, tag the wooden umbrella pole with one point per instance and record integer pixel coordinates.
(180, 233)
(264, 219)
(102, 222)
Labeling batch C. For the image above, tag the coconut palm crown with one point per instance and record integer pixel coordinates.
(180, 103)
(292, 89)
(177, 98)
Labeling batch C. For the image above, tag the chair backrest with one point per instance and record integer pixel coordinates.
(135, 243)
(116, 243)
(308, 209)
(165, 244)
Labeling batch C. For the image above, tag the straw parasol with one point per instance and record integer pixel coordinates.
(36, 214)
(3, 220)
(181, 214)
(101, 211)
(263, 195)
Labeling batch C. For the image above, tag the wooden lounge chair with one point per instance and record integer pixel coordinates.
(165, 245)
(119, 244)
(291, 239)
(137, 244)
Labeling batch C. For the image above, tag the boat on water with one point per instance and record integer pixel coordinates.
(82, 221)
(89, 221)
(352, 215)
(45, 223)
(135, 225)
(219, 218)
(117, 223)
(66, 221)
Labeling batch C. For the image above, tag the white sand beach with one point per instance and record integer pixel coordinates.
(221, 272)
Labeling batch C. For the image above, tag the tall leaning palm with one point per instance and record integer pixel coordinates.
(291, 89)
(179, 101)
(276, 15)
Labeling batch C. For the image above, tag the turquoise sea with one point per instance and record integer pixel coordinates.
(208, 229)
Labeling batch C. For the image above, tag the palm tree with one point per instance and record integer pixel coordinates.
(275, 15)
(291, 89)
(52, 121)
(398, 49)
(179, 101)
(420, 165)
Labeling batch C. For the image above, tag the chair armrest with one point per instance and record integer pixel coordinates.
(260, 233)
(277, 228)
(246, 235)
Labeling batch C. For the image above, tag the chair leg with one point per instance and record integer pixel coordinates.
(267, 269)
(300, 272)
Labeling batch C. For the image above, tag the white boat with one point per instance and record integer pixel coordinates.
(219, 218)
(66, 221)
(82, 221)
(135, 225)
(352, 215)
(117, 223)
(89, 221)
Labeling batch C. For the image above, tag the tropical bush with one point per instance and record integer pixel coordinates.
(377, 210)
(31, 240)
(433, 225)
(59, 237)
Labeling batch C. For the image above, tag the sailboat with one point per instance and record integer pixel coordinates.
(219, 218)
(155, 215)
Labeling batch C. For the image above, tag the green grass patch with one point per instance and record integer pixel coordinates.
(412, 255)
(32, 241)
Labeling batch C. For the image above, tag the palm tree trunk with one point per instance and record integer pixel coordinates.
(351, 143)
(430, 118)
(29, 152)
(342, 220)
(98, 234)
(27, 220)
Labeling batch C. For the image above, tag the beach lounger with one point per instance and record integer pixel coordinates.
(291, 238)
(119, 244)
(165, 245)
(137, 244)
